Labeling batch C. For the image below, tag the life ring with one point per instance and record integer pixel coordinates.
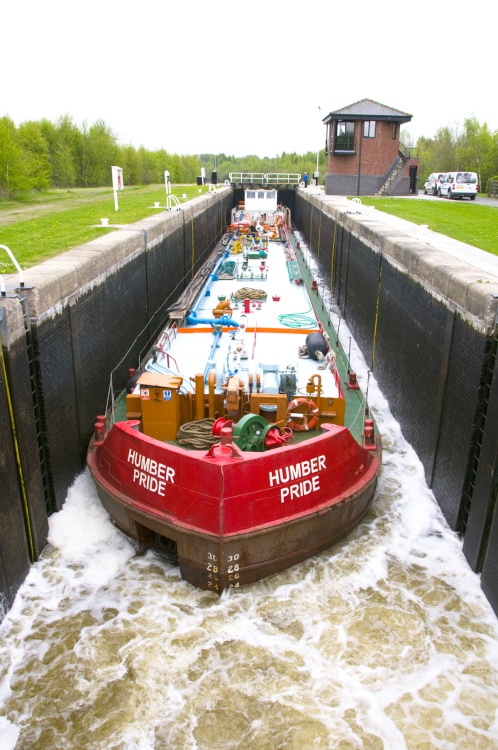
(306, 424)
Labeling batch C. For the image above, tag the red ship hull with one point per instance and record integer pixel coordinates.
(234, 517)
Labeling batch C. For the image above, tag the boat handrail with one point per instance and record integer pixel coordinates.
(165, 336)
(169, 357)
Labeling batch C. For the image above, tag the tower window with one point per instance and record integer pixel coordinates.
(369, 129)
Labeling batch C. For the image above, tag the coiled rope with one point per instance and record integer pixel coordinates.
(197, 435)
(249, 293)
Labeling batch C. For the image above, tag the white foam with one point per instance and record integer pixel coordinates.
(85, 537)
(9, 734)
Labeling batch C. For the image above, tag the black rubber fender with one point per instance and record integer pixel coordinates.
(316, 342)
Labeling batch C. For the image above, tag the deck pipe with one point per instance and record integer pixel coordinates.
(225, 320)
(211, 358)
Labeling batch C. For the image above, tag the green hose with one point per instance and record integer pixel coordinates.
(297, 320)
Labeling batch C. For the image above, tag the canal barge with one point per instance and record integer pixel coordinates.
(243, 445)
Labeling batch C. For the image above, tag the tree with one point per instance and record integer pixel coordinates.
(190, 169)
(406, 138)
(475, 150)
(35, 155)
(65, 153)
(13, 175)
(175, 168)
(444, 150)
(102, 151)
(131, 163)
(149, 171)
(425, 153)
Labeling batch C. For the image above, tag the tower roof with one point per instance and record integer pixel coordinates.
(367, 109)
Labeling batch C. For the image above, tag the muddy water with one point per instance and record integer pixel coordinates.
(386, 641)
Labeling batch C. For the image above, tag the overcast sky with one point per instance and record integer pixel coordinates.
(194, 76)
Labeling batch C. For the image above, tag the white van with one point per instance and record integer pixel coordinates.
(431, 185)
(459, 185)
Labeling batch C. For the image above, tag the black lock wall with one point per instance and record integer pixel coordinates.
(23, 518)
(427, 329)
(15, 553)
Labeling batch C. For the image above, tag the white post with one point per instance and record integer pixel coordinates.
(167, 182)
(117, 183)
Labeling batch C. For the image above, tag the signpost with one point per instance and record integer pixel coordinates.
(117, 183)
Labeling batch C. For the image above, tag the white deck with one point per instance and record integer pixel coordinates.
(293, 312)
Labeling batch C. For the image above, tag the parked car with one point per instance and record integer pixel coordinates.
(431, 185)
(459, 185)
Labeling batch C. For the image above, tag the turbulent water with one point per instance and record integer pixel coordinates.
(385, 641)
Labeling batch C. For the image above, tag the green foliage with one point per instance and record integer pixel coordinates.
(474, 149)
(43, 155)
(291, 163)
(14, 165)
(65, 140)
(35, 155)
(102, 152)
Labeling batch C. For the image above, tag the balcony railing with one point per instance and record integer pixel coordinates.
(407, 151)
(344, 144)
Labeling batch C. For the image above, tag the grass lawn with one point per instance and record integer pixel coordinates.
(463, 220)
(38, 227)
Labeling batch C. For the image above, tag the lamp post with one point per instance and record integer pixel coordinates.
(317, 173)
(359, 158)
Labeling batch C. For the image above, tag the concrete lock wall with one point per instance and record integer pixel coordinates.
(79, 316)
(426, 323)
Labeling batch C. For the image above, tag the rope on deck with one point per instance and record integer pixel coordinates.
(197, 435)
(249, 293)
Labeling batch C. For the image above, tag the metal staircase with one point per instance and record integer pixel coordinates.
(393, 175)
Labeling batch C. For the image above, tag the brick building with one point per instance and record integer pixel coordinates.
(364, 153)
